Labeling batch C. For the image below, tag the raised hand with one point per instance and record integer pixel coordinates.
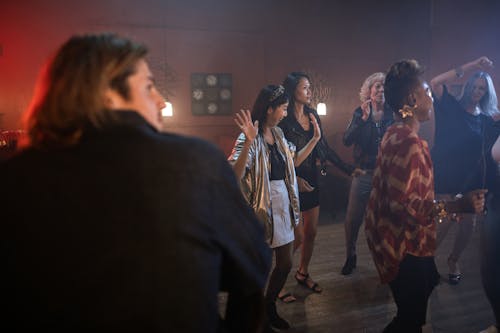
(317, 130)
(483, 63)
(365, 108)
(358, 172)
(244, 121)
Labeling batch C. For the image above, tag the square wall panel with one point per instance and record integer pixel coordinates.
(211, 94)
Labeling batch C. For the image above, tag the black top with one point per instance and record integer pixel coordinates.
(462, 143)
(366, 136)
(299, 137)
(277, 162)
(131, 230)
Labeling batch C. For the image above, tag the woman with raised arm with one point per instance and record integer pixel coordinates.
(265, 163)
(459, 153)
(400, 217)
(298, 128)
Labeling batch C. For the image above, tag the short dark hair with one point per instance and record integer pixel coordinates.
(269, 96)
(401, 80)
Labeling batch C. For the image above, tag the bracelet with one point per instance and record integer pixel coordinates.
(459, 72)
(440, 212)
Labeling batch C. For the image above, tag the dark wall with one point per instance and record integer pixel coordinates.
(258, 42)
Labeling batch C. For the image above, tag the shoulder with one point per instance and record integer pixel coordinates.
(192, 145)
(446, 99)
(311, 110)
(193, 155)
(358, 111)
(388, 111)
(16, 163)
(400, 135)
(278, 131)
(286, 123)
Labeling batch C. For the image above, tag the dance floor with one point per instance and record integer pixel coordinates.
(360, 304)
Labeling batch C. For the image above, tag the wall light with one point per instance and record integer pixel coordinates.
(321, 108)
(168, 110)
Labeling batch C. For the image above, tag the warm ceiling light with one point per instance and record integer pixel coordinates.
(168, 110)
(321, 108)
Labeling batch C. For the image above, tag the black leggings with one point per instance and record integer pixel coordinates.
(411, 289)
(490, 252)
(280, 271)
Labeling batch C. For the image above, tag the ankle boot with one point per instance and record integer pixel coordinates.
(349, 265)
(274, 319)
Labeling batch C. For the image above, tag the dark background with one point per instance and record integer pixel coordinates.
(257, 42)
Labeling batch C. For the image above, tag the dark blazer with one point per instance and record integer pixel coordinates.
(131, 230)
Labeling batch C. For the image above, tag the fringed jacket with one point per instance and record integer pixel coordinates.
(255, 183)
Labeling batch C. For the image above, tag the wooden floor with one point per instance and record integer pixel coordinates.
(359, 303)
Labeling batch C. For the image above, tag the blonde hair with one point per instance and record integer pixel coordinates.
(364, 92)
(69, 95)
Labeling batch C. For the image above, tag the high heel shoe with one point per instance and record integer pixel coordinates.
(454, 275)
(274, 319)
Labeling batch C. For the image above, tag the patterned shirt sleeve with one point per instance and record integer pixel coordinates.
(410, 182)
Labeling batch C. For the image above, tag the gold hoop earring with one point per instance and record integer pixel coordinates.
(407, 111)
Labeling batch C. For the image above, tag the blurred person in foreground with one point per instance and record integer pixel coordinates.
(111, 226)
(490, 234)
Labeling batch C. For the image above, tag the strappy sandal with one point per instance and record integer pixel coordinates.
(304, 282)
(454, 279)
(287, 298)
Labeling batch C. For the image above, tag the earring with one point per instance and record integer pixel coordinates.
(407, 111)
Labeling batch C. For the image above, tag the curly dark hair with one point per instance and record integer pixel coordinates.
(401, 80)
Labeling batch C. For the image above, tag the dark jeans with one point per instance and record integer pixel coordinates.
(359, 194)
(411, 289)
(490, 254)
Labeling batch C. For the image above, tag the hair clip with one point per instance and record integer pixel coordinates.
(280, 90)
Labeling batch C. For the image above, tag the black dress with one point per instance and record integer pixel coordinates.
(308, 170)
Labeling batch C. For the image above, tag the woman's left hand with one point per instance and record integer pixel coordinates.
(477, 198)
(358, 172)
(316, 129)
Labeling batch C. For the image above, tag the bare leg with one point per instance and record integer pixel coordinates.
(299, 234)
(310, 218)
(442, 231)
(284, 295)
(443, 227)
(465, 228)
